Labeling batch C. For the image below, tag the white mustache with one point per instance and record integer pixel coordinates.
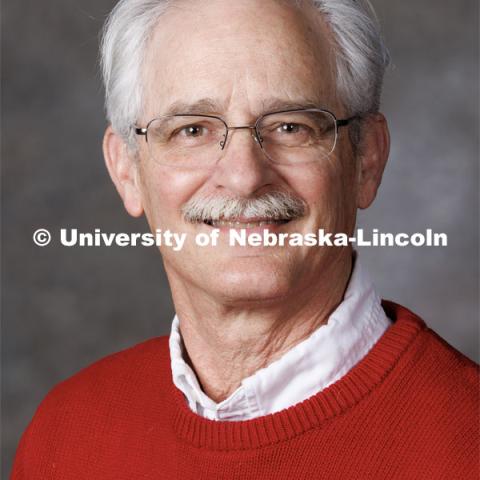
(272, 205)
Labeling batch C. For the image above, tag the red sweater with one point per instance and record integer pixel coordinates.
(408, 410)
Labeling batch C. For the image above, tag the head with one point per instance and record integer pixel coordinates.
(238, 61)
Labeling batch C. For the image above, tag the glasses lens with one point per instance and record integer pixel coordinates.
(299, 136)
(185, 140)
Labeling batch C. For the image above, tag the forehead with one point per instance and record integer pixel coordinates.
(245, 56)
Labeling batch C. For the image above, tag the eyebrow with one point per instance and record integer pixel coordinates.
(276, 104)
(211, 106)
(204, 105)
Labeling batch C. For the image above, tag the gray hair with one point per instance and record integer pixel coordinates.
(361, 56)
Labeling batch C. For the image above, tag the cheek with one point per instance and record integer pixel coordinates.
(329, 190)
(165, 190)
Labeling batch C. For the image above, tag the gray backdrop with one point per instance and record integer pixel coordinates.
(64, 308)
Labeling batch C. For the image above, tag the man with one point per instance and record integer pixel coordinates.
(256, 116)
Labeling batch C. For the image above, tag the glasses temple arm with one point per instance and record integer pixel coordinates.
(346, 121)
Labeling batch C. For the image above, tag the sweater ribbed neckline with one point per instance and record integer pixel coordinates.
(328, 403)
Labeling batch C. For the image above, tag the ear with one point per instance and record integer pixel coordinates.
(373, 153)
(122, 168)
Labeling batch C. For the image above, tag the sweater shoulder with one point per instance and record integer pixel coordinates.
(434, 353)
(444, 391)
(127, 376)
(435, 377)
(438, 407)
(112, 394)
(455, 372)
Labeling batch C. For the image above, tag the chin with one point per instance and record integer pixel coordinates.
(252, 280)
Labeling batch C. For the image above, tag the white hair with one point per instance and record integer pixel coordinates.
(361, 56)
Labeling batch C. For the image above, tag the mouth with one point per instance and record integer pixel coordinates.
(245, 222)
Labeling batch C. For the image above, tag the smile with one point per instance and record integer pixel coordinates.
(245, 223)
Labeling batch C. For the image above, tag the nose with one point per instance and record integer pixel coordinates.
(243, 169)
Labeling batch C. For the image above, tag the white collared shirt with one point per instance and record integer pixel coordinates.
(307, 368)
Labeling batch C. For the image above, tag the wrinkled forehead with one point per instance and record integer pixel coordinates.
(245, 56)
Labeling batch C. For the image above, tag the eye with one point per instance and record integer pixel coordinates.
(289, 128)
(192, 131)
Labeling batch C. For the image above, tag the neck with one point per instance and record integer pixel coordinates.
(227, 343)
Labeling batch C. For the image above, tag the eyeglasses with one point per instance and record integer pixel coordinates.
(286, 137)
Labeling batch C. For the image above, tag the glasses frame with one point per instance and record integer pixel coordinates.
(143, 131)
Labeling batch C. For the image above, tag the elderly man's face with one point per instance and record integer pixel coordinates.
(249, 57)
